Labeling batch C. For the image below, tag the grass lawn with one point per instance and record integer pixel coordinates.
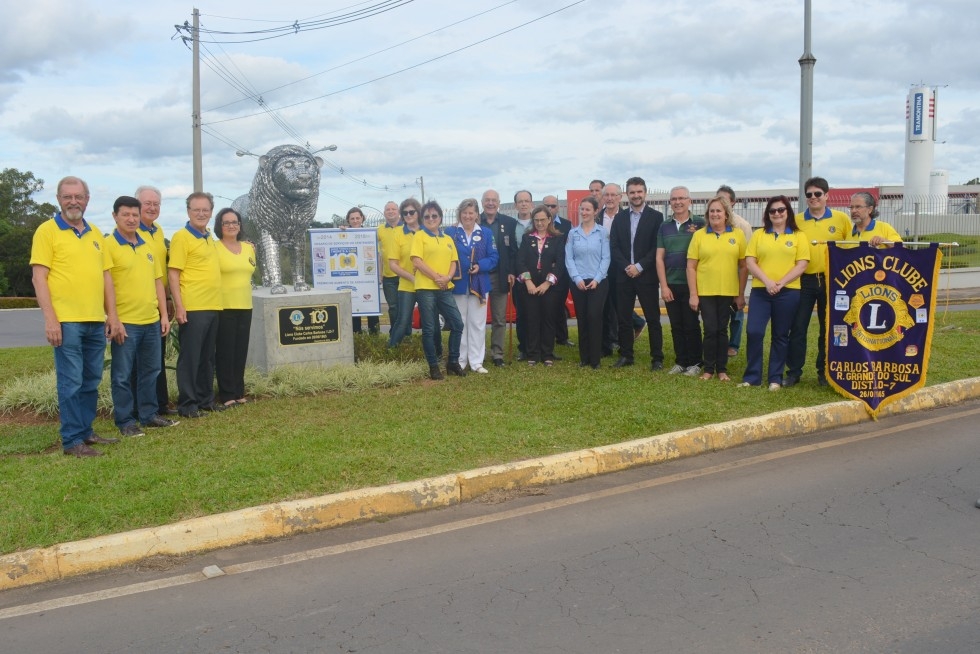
(293, 447)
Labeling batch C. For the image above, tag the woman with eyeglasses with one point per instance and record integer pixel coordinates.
(776, 256)
(400, 262)
(540, 263)
(436, 265)
(236, 258)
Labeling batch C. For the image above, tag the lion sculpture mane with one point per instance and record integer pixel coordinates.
(282, 204)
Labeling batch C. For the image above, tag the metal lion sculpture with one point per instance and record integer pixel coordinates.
(282, 204)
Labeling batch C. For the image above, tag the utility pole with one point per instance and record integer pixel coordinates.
(196, 105)
(422, 186)
(807, 62)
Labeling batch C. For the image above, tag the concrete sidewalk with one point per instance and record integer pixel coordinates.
(285, 519)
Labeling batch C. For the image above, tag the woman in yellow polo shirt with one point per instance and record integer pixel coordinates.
(237, 259)
(436, 265)
(776, 256)
(716, 276)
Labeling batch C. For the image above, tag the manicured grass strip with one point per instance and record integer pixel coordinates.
(290, 447)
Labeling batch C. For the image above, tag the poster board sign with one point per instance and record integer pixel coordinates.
(347, 260)
(880, 316)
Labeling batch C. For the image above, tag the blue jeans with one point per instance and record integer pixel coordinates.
(141, 350)
(402, 327)
(735, 328)
(389, 287)
(781, 310)
(78, 369)
(431, 304)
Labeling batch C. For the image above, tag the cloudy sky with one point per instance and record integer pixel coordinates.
(537, 94)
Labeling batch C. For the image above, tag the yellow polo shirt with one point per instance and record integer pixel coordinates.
(387, 240)
(832, 226)
(236, 276)
(134, 271)
(877, 228)
(195, 255)
(157, 241)
(717, 256)
(76, 263)
(438, 252)
(776, 254)
(403, 252)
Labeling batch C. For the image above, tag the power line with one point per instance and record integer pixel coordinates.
(408, 68)
(289, 30)
(368, 56)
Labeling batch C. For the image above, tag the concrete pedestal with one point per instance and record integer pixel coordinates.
(300, 328)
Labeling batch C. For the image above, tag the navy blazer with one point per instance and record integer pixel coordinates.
(504, 230)
(644, 245)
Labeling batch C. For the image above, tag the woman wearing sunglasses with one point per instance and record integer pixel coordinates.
(776, 256)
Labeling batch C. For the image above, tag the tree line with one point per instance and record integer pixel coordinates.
(20, 215)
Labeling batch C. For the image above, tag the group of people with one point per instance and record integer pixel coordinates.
(92, 287)
(611, 260)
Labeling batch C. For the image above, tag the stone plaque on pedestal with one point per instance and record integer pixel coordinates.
(303, 328)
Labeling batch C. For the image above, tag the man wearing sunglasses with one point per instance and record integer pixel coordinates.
(819, 223)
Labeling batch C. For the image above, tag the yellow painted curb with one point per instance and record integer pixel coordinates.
(317, 513)
(299, 516)
(543, 471)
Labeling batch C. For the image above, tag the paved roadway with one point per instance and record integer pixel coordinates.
(861, 539)
(21, 328)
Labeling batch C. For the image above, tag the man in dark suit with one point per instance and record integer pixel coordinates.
(633, 245)
(504, 230)
(564, 226)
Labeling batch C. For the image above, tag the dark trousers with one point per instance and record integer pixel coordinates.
(541, 313)
(763, 308)
(628, 290)
(230, 353)
(561, 321)
(195, 363)
(813, 290)
(520, 323)
(589, 307)
(389, 288)
(374, 324)
(684, 327)
(715, 312)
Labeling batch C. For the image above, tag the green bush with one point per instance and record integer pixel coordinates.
(18, 303)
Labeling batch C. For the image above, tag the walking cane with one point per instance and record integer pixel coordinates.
(510, 325)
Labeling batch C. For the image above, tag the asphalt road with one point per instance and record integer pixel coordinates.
(21, 328)
(862, 539)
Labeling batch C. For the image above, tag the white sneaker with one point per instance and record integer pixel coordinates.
(676, 370)
(693, 371)
(481, 370)
(774, 386)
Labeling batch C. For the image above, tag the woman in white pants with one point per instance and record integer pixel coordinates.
(477, 255)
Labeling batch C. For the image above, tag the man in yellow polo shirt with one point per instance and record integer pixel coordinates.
(819, 223)
(135, 303)
(67, 266)
(150, 205)
(195, 285)
(866, 226)
(387, 242)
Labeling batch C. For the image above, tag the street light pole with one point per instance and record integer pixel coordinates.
(196, 106)
(807, 63)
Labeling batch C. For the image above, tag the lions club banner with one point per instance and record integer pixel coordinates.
(880, 318)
